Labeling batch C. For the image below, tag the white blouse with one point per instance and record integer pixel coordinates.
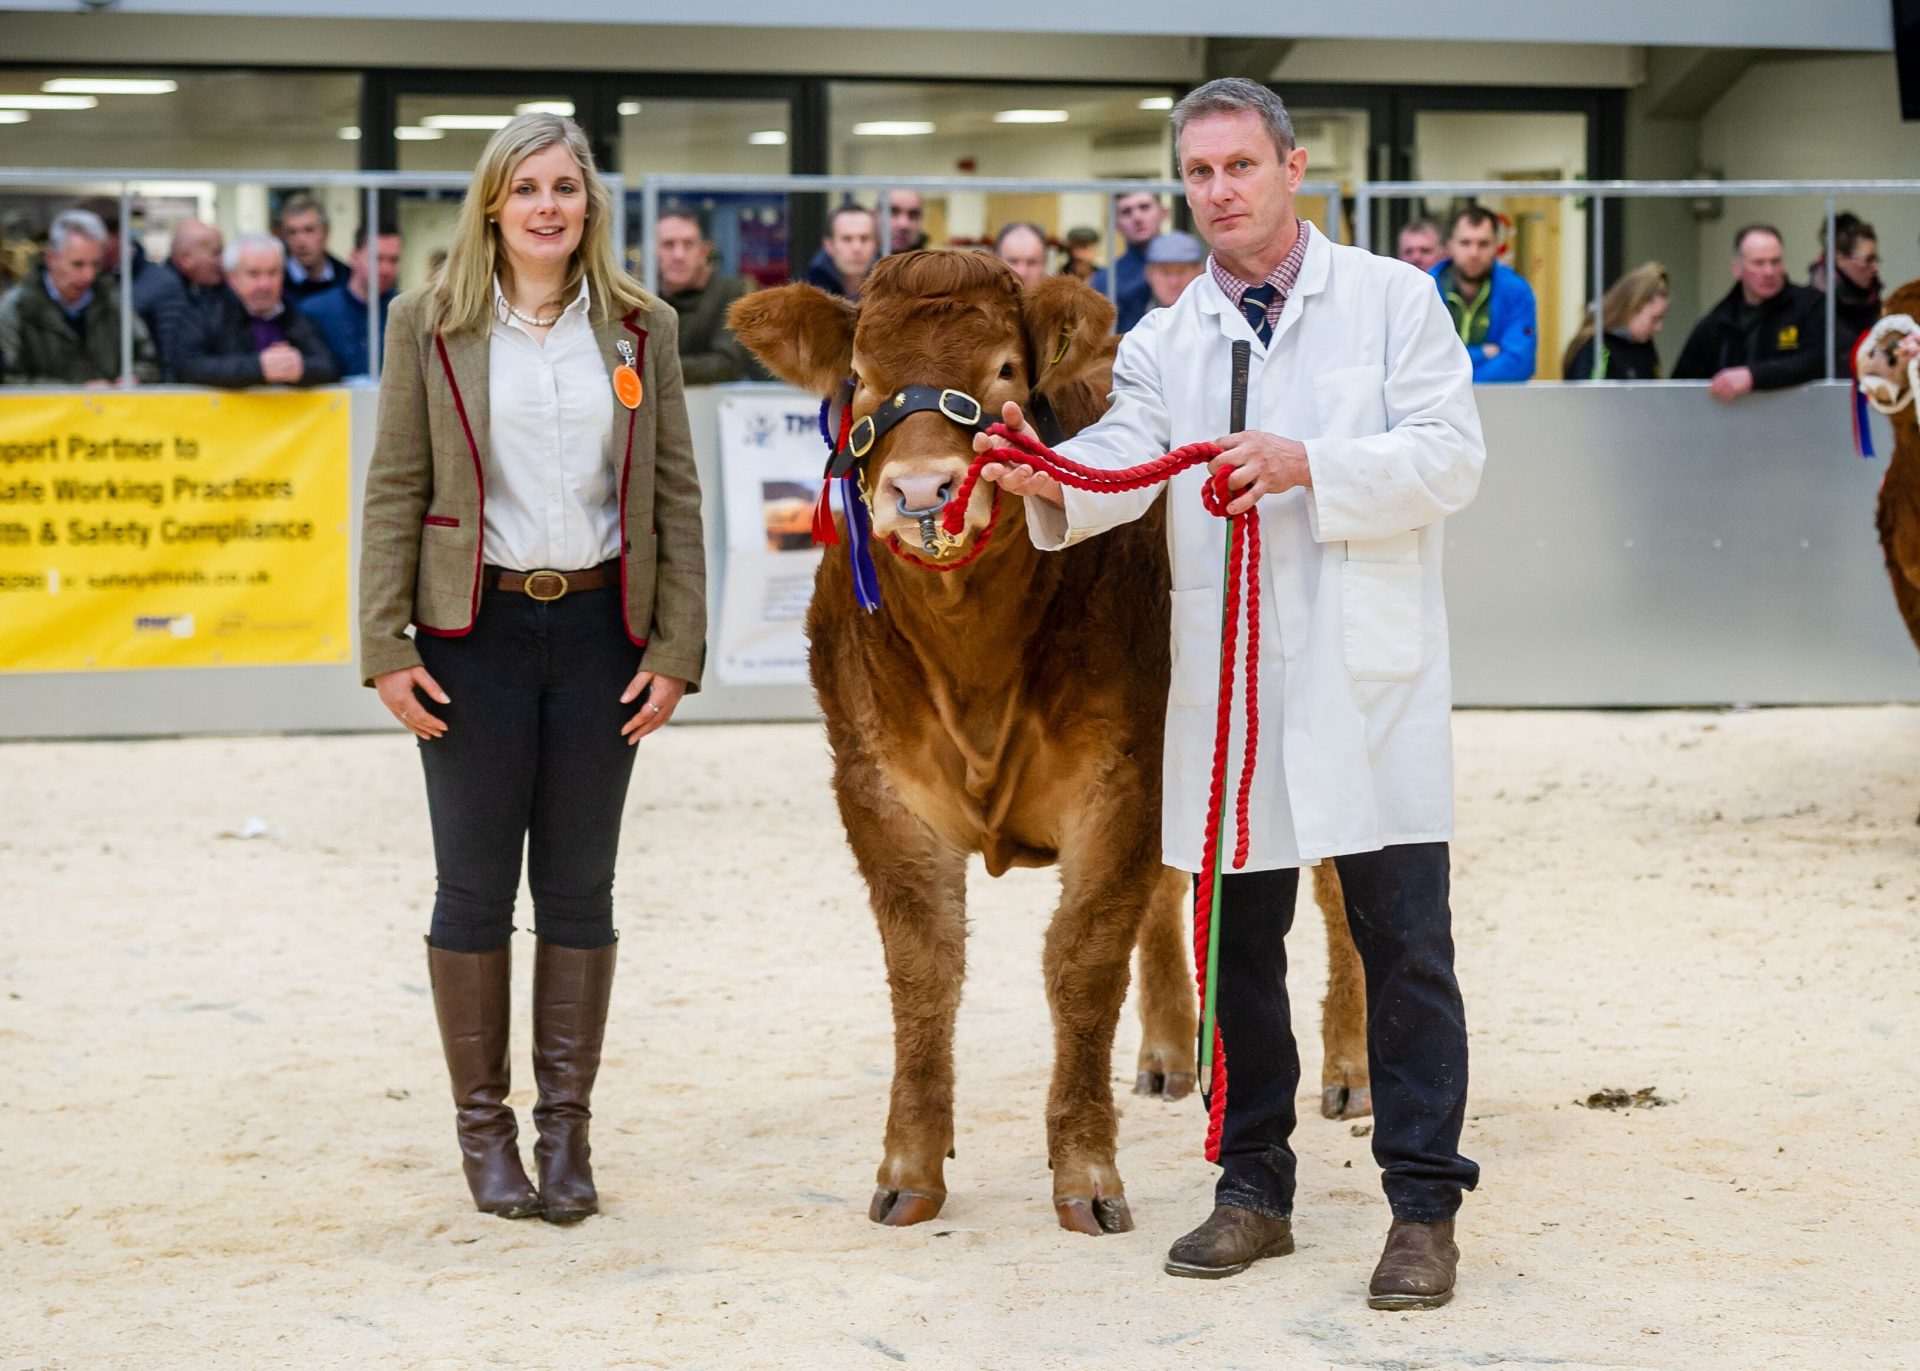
(553, 494)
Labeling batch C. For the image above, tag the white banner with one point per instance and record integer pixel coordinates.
(771, 459)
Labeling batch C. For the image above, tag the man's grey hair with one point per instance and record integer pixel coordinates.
(302, 203)
(1235, 95)
(75, 223)
(252, 242)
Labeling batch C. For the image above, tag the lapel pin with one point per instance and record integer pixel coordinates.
(626, 381)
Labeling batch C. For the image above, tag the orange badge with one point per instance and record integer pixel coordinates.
(626, 381)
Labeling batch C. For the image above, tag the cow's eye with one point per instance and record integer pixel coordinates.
(1006, 371)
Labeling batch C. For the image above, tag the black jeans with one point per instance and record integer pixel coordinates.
(532, 758)
(1416, 1032)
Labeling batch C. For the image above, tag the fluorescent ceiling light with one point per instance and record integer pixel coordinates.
(350, 135)
(47, 102)
(14, 116)
(1157, 102)
(413, 133)
(107, 85)
(768, 138)
(629, 108)
(1031, 116)
(893, 128)
(563, 108)
(478, 122)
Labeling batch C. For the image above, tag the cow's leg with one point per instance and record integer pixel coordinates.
(1169, 1017)
(1345, 1090)
(1089, 945)
(917, 885)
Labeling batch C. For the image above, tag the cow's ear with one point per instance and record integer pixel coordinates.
(1069, 327)
(1905, 300)
(802, 334)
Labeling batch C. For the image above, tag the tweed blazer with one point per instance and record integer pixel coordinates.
(420, 547)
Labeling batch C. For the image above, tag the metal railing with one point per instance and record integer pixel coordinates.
(1601, 191)
(651, 187)
(373, 182)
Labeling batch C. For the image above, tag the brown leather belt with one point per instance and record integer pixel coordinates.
(550, 585)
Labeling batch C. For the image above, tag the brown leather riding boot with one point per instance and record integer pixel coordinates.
(470, 998)
(1231, 1240)
(570, 992)
(1416, 1270)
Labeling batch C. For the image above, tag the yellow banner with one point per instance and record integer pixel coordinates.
(169, 530)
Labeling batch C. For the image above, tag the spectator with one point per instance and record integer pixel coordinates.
(169, 298)
(1083, 245)
(1140, 216)
(1023, 246)
(341, 313)
(1766, 334)
(1174, 260)
(107, 209)
(64, 327)
(1491, 303)
(1420, 244)
(1856, 295)
(709, 353)
(310, 267)
(1633, 309)
(249, 335)
(906, 217)
(846, 253)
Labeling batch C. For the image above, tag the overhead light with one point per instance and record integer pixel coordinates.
(413, 133)
(350, 135)
(47, 102)
(1157, 102)
(107, 85)
(563, 108)
(629, 108)
(768, 138)
(893, 128)
(1031, 116)
(14, 116)
(478, 122)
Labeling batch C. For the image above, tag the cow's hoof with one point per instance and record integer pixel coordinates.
(1346, 1101)
(898, 1208)
(1095, 1216)
(1174, 1085)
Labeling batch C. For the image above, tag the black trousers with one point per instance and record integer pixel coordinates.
(1416, 1032)
(532, 759)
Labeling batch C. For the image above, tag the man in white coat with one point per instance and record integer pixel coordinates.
(1361, 436)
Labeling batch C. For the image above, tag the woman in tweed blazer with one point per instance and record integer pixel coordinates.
(532, 604)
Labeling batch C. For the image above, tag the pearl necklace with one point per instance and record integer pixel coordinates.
(528, 319)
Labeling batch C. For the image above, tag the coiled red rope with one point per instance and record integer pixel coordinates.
(1243, 585)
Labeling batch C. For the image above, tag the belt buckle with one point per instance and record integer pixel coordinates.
(541, 580)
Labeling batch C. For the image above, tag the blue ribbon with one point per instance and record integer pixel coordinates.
(866, 580)
(1862, 424)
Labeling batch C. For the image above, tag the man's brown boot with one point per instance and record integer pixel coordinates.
(1417, 1268)
(570, 992)
(1231, 1240)
(470, 1000)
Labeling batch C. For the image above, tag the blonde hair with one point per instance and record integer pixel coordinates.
(463, 292)
(1624, 299)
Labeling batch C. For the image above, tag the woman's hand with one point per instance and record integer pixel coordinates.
(396, 690)
(662, 699)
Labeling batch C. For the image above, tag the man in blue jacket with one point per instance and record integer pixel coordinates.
(1491, 303)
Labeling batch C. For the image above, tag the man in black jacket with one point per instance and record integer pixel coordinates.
(249, 335)
(1767, 334)
(170, 297)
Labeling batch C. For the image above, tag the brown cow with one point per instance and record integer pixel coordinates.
(1012, 707)
(1898, 510)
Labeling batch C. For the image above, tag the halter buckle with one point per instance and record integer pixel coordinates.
(954, 404)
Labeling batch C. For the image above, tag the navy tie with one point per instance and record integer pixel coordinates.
(1254, 305)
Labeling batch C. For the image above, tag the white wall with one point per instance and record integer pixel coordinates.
(1825, 118)
(1462, 64)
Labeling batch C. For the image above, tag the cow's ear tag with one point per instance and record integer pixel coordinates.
(626, 380)
(1066, 341)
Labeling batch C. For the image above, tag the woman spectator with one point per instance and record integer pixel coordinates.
(1856, 292)
(532, 509)
(1633, 310)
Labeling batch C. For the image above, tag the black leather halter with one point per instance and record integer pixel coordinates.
(954, 405)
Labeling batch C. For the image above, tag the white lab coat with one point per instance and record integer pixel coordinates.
(1356, 748)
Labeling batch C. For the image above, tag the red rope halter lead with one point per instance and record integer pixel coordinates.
(1243, 582)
